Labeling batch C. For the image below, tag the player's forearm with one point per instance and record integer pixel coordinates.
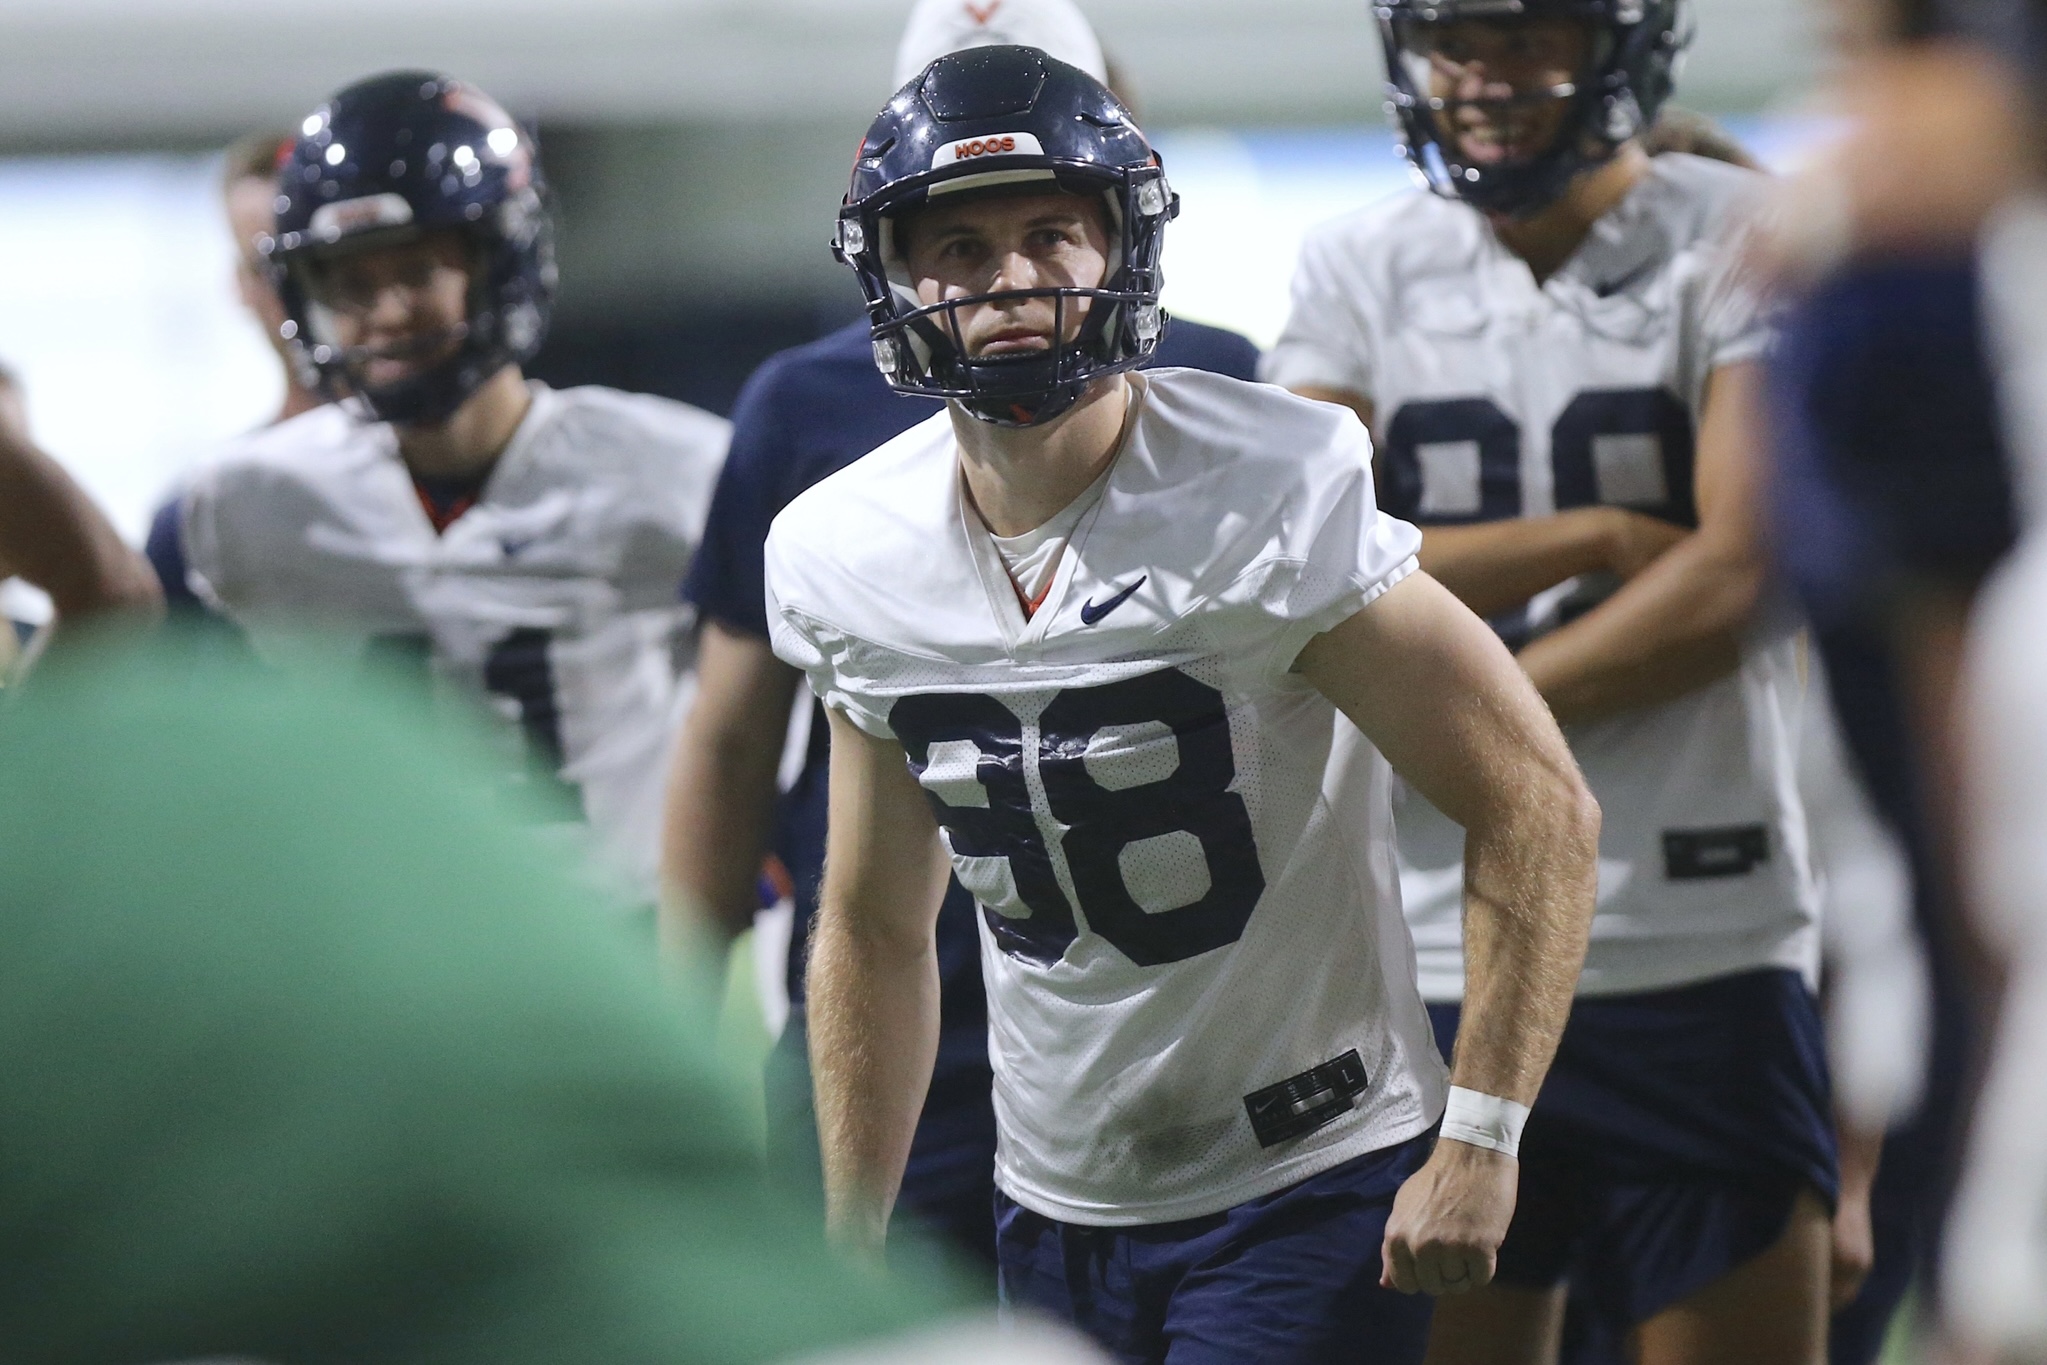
(873, 1013)
(1498, 565)
(1530, 880)
(1861, 1155)
(1671, 630)
(721, 790)
(721, 807)
(54, 536)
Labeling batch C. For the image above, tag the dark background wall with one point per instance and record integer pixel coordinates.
(691, 252)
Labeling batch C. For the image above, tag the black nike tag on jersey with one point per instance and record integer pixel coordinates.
(1697, 854)
(1612, 287)
(1300, 1104)
(1090, 613)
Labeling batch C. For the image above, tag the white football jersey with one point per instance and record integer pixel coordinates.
(556, 596)
(1200, 989)
(1498, 397)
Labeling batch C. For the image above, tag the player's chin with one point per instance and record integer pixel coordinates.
(1010, 348)
(384, 372)
(387, 374)
(1492, 147)
(1481, 149)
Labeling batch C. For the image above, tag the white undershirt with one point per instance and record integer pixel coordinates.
(1033, 557)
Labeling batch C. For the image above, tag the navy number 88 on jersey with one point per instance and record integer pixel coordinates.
(1457, 461)
(1128, 784)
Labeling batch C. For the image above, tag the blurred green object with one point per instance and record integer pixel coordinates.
(312, 1053)
(1903, 1346)
(743, 1039)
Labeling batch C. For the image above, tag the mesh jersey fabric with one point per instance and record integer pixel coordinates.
(1183, 901)
(808, 412)
(553, 597)
(1498, 397)
(314, 1055)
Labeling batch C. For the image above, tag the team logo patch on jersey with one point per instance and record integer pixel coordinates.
(980, 148)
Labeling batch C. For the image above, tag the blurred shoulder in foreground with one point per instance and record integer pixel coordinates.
(312, 1055)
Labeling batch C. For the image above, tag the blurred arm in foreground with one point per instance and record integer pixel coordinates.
(51, 533)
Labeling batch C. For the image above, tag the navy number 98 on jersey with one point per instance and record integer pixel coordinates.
(1135, 774)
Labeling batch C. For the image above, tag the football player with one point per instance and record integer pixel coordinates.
(520, 543)
(1087, 632)
(805, 414)
(1554, 347)
(1895, 484)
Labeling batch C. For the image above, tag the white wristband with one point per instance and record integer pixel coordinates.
(1484, 1120)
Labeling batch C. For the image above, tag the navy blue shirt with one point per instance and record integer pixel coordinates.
(1891, 469)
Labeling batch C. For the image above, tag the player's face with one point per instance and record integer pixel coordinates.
(398, 310)
(1497, 79)
(1004, 242)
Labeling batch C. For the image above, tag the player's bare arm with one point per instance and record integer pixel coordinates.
(1854, 1239)
(1496, 763)
(1679, 624)
(53, 535)
(1498, 565)
(721, 789)
(873, 996)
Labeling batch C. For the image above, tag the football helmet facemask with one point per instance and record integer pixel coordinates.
(386, 161)
(1632, 52)
(1000, 119)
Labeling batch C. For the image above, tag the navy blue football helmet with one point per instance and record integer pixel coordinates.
(1629, 71)
(988, 120)
(383, 161)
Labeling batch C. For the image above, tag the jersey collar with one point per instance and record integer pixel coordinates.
(518, 453)
(1024, 634)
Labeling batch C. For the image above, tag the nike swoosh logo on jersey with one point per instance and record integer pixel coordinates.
(1612, 287)
(512, 547)
(1090, 613)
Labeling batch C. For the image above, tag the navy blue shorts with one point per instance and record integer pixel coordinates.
(1285, 1279)
(1674, 1132)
